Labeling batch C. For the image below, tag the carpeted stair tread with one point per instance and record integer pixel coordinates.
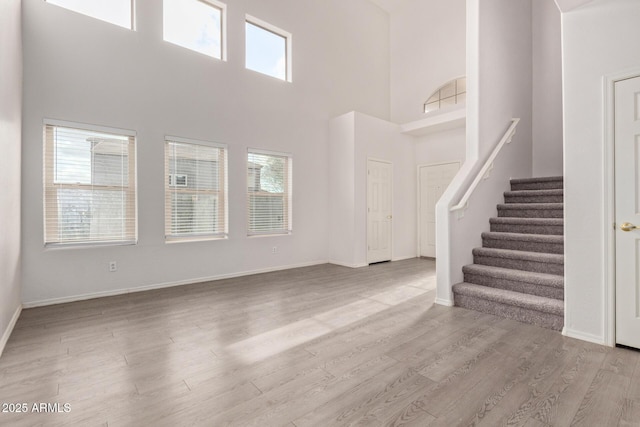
(531, 210)
(549, 182)
(534, 196)
(541, 290)
(538, 179)
(530, 261)
(520, 255)
(537, 206)
(542, 279)
(548, 226)
(543, 192)
(547, 222)
(542, 243)
(526, 301)
(541, 238)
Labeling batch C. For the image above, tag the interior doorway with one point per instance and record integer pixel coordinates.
(433, 180)
(627, 211)
(379, 210)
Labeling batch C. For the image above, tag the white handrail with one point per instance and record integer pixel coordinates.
(488, 165)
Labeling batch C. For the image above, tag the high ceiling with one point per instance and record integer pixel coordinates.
(567, 5)
(563, 5)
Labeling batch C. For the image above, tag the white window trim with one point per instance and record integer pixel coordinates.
(223, 27)
(185, 238)
(89, 127)
(223, 30)
(134, 20)
(282, 33)
(269, 152)
(195, 141)
(132, 24)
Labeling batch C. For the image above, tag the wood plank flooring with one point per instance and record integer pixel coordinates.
(315, 346)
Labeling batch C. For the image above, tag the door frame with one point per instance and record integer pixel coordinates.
(609, 207)
(419, 193)
(389, 162)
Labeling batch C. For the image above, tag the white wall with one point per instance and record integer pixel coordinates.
(567, 5)
(84, 70)
(379, 139)
(441, 147)
(599, 39)
(10, 140)
(356, 137)
(342, 150)
(547, 89)
(427, 50)
(499, 84)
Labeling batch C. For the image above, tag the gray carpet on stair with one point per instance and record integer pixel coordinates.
(538, 262)
(531, 210)
(512, 311)
(545, 183)
(542, 284)
(524, 242)
(519, 271)
(534, 196)
(552, 226)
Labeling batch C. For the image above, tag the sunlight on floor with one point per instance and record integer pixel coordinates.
(270, 343)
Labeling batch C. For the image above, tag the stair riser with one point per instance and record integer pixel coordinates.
(522, 265)
(556, 230)
(544, 320)
(519, 245)
(512, 285)
(533, 199)
(546, 185)
(530, 213)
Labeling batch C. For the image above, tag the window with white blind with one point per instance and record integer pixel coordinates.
(118, 12)
(268, 192)
(195, 190)
(89, 185)
(198, 25)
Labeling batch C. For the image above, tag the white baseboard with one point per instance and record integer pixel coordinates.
(10, 326)
(445, 302)
(344, 264)
(63, 300)
(402, 258)
(583, 336)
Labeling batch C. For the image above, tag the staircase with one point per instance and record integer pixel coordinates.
(518, 272)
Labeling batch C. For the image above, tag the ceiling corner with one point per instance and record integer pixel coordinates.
(567, 5)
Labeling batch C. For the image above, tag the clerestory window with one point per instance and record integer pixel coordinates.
(452, 93)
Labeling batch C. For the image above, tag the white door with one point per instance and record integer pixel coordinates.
(627, 182)
(379, 212)
(434, 180)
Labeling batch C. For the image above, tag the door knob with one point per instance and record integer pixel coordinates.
(389, 217)
(627, 226)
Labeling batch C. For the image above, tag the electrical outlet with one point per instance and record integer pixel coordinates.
(113, 266)
(274, 250)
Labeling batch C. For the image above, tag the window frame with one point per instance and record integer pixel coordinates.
(287, 194)
(222, 193)
(222, 7)
(132, 23)
(459, 96)
(50, 185)
(288, 46)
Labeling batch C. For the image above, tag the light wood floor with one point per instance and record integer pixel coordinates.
(317, 346)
